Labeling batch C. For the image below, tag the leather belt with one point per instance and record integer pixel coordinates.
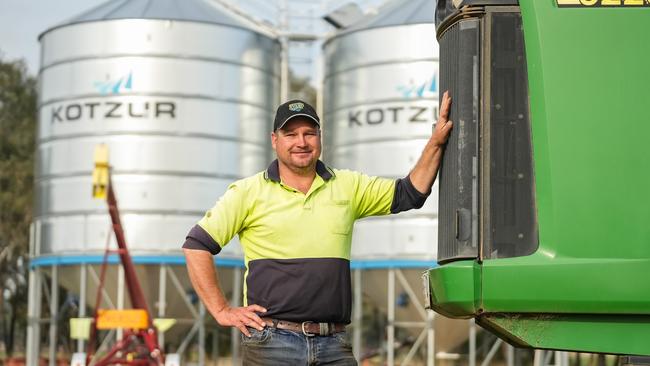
(307, 328)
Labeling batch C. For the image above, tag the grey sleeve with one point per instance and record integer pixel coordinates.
(199, 239)
(407, 196)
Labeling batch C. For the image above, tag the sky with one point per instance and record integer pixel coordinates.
(21, 21)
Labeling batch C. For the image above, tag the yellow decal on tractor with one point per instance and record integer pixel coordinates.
(603, 3)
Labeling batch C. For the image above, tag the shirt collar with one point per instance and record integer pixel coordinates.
(273, 171)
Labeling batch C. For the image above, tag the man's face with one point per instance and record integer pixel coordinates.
(297, 144)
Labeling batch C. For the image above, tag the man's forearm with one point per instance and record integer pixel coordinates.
(424, 173)
(203, 276)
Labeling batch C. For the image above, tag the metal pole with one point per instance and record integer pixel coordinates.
(201, 334)
(431, 338)
(162, 302)
(492, 352)
(472, 343)
(284, 57)
(538, 360)
(82, 301)
(34, 317)
(54, 314)
(358, 310)
(215, 346)
(235, 301)
(120, 297)
(391, 319)
(510, 356)
(284, 70)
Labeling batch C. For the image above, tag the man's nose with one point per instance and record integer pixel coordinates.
(302, 140)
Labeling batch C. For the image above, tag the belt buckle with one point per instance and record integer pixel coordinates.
(302, 326)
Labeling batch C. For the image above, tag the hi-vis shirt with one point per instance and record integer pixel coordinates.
(297, 246)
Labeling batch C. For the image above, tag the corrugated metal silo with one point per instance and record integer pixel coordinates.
(380, 102)
(182, 92)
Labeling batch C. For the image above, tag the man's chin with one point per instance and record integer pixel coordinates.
(303, 163)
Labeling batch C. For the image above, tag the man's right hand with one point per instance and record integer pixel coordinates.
(241, 317)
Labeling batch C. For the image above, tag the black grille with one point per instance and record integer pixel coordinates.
(512, 224)
(459, 74)
(494, 189)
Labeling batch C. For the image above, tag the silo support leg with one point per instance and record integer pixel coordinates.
(492, 352)
(215, 346)
(538, 360)
(415, 347)
(236, 301)
(181, 292)
(426, 324)
(431, 345)
(358, 315)
(390, 341)
(188, 338)
(162, 301)
(201, 334)
(34, 317)
(472, 343)
(510, 356)
(411, 294)
(54, 314)
(83, 274)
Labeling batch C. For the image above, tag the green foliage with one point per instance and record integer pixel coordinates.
(299, 88)
(17, 138)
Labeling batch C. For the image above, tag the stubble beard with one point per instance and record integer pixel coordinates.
(300, 167)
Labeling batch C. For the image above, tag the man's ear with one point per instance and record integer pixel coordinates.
(274, 139)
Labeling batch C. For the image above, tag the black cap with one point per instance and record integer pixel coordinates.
(291, 109)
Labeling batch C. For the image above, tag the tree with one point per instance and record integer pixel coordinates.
(299, 88)
(17, 138)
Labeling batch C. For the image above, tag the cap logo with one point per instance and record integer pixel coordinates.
(296, 107)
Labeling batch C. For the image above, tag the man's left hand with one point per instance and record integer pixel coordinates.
(443, 126)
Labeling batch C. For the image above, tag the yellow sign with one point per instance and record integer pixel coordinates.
(80, 328)
(119, 319)
(163, 324)
(100, 173)
(603, 3)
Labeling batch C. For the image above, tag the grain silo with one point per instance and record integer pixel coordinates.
(380, 101)
(182, 92)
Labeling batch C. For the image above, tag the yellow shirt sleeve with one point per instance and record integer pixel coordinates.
(373, 195)
(226, 219)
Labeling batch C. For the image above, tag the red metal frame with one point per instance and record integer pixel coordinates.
(137, 347)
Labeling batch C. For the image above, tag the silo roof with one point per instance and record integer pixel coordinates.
(202, 11)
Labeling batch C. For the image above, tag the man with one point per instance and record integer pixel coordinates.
(294, 223)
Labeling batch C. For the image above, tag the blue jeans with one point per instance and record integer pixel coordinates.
(272, 346)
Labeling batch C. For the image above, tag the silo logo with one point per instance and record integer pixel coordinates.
(115, 87)
(113, 109)
(423, 89)
(392, 114)
(76, 111)
(401, 112)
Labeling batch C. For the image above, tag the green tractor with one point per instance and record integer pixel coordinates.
(544, 218)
